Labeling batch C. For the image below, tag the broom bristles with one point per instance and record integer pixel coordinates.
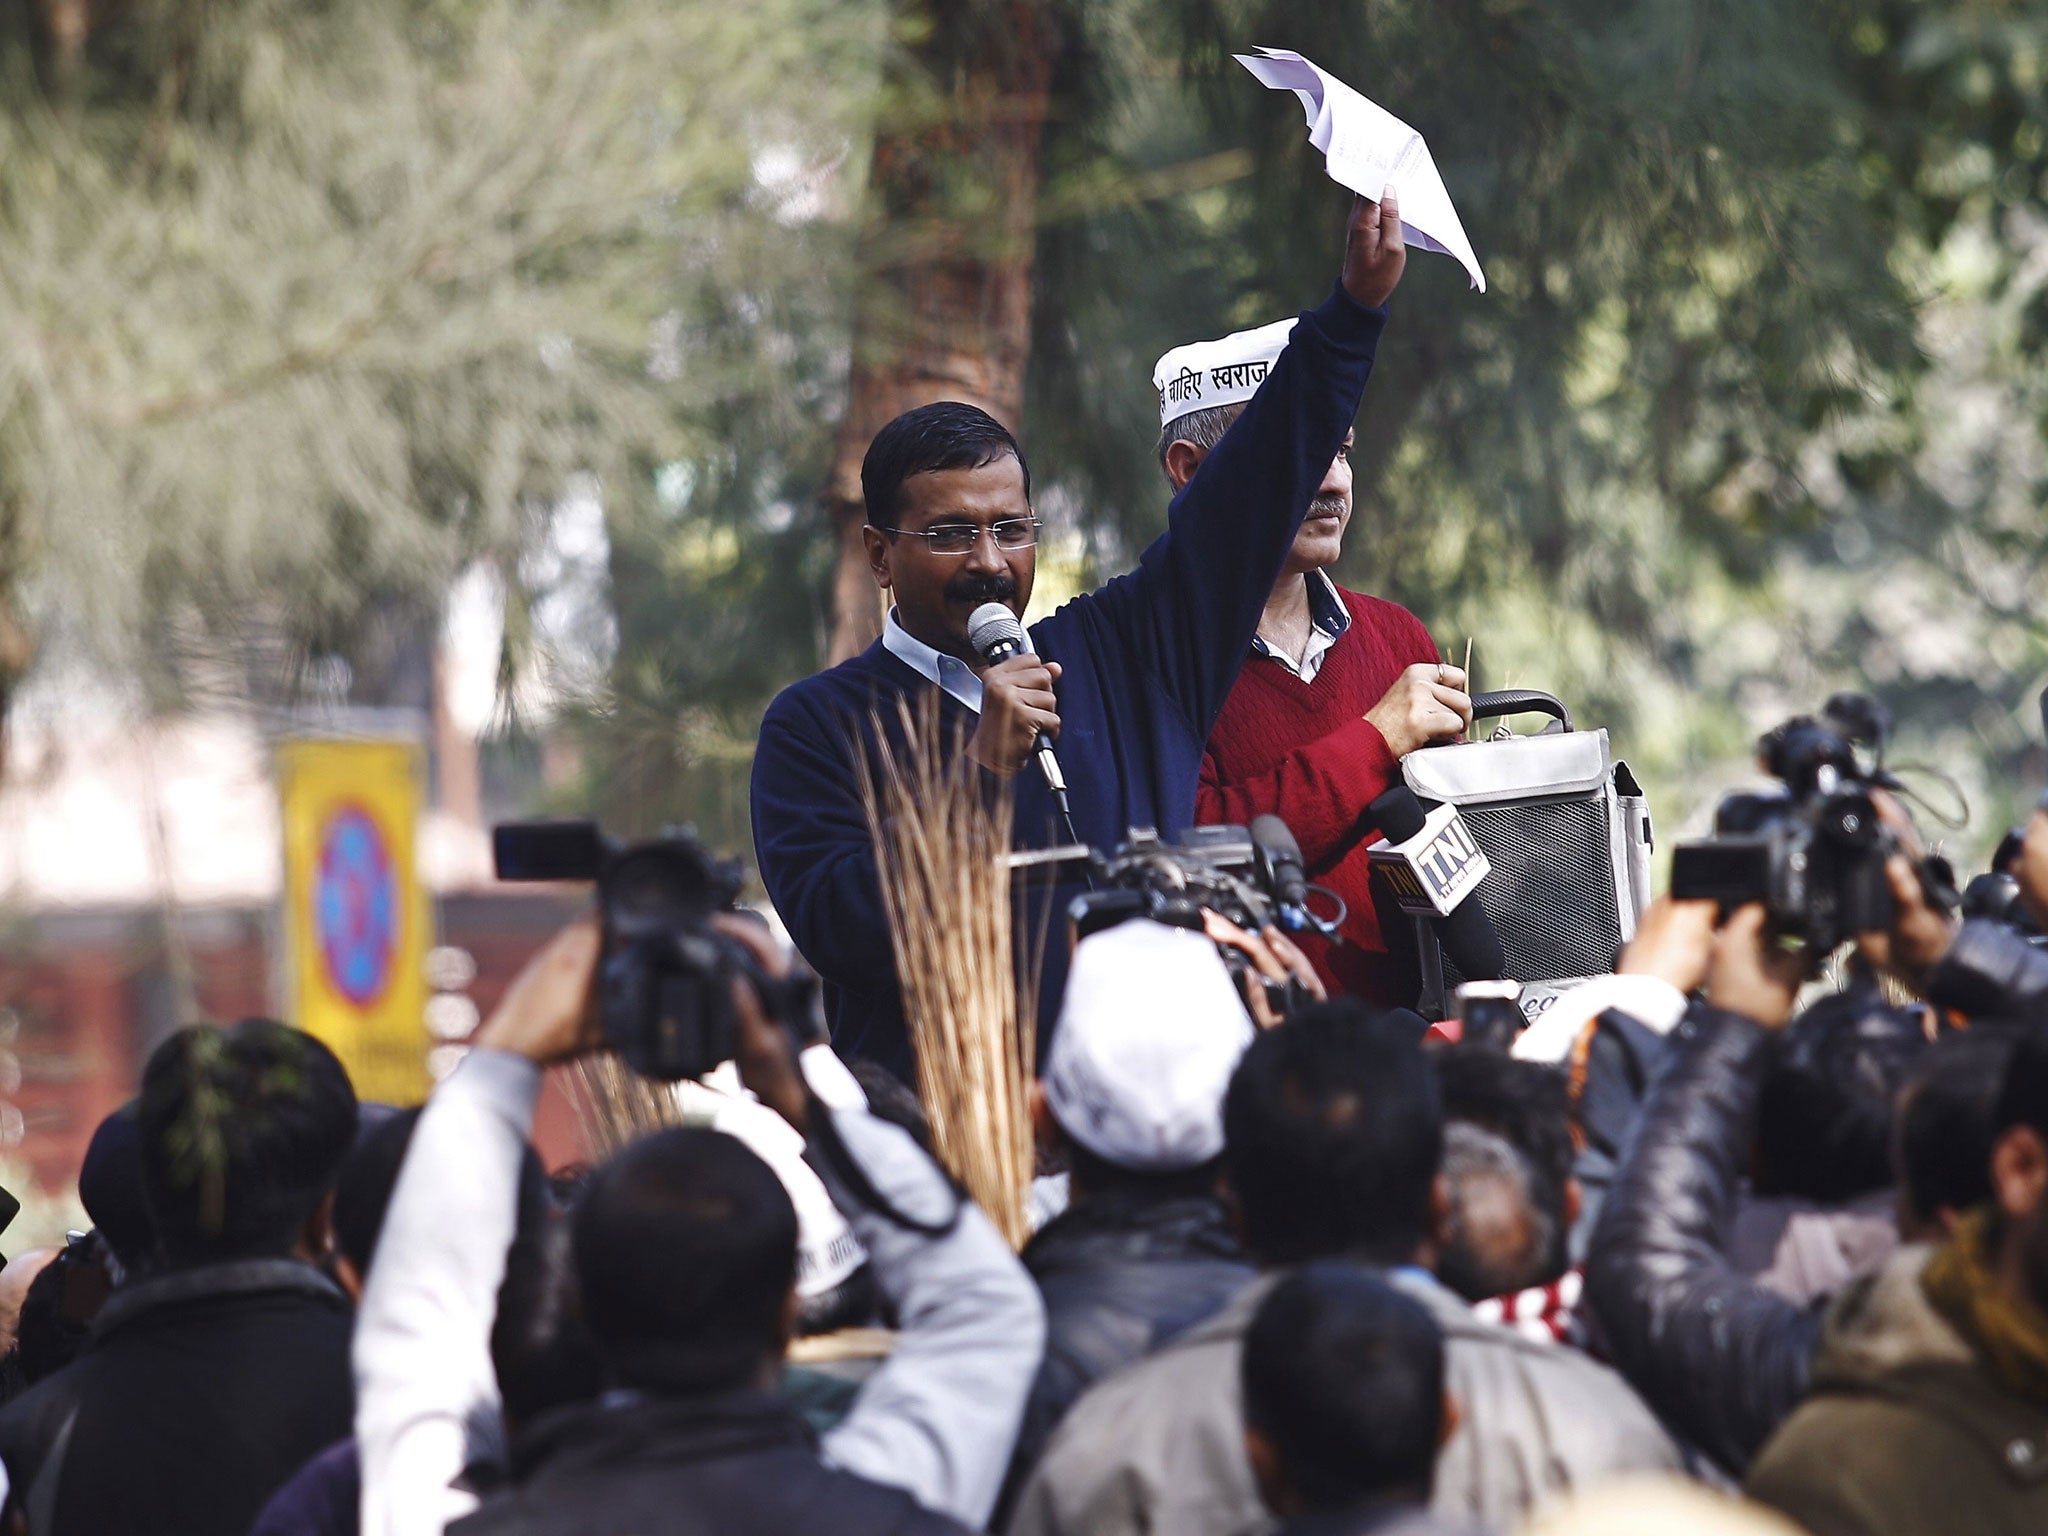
(939, 845)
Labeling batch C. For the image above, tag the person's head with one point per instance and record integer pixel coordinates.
(243, 1130)
(2019, 1172)
(1824, 1111)
(1149, 1031)
(1945, 1130)
(686, 1262)
(110, 1189)
(1332, 1135)
(1344, 1402)
(932, 477)
(1187, 440)
(1509, 1192)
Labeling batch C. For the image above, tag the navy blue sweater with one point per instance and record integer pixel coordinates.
(1147, 661)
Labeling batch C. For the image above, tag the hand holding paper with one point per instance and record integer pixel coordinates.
(1371, 151)
(1375, 255)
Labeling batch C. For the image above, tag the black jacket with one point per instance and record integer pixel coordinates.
(1121, 1272)
(724, 1464)
(1991, 972)
(198, 1395)
(1721, 1359)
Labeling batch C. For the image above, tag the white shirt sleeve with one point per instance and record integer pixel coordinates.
(426, 1394)
(1649, 999)
(939, 1419)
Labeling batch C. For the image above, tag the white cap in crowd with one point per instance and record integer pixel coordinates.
(1149, 1032)
(1231, 368)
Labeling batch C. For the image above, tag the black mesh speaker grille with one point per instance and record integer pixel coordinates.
(1551, 891)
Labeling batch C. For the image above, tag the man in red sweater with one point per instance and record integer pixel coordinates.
(1339, 686)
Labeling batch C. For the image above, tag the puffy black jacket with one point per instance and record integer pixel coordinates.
(1122, 1272)
(200, 1392)
(1721, 1359)
(1991, 971)
(722, 1464)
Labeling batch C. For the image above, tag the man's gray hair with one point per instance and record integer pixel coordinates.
(1204, 428)
(1486, 1250)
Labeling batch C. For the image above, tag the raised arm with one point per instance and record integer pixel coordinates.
(941, 1415)
(1719, 1357)
(1193, 604)
(426, 1393)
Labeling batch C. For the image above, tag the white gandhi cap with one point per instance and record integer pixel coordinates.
(1204, 374)
(1149, 1032)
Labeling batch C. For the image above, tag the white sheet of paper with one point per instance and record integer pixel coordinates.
(1368, 149)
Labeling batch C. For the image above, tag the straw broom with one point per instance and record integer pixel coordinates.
(615, 1106)
(940, 840)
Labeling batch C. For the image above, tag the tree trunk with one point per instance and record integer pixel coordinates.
(944, 311)
(68, 24)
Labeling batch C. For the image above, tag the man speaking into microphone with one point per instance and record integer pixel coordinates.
(1123, 682)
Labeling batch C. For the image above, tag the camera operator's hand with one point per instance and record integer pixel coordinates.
(1674, 941)
(1374, 253)
(549, 1014)
(767, 1049)
(2033, 867)
(1919, 935)
(1427, 704)
(1274, 957)
(1017, 702)
(1751, 973)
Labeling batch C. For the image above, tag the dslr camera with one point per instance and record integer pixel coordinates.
(664, 982)
(1251, 875)
(1813, 852)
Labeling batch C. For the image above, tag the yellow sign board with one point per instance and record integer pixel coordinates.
(357, 921)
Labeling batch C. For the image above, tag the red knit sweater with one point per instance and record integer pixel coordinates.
(1305, 752)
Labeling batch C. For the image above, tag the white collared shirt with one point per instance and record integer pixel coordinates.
(1329, 618)
(949, 672)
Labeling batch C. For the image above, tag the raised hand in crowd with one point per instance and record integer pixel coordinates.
(767, 1046)
(1427, 705)
(1920, 934)
(1275, 959)
(1752, 972)
(548, 1014)
(1374, 254)
(1674, 942)
(1017, 702)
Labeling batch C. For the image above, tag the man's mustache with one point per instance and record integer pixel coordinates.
(1327, 506)
(983, 588)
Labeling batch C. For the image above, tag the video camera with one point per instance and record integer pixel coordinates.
(1813, 853)
(665, 980)
(1251, 875)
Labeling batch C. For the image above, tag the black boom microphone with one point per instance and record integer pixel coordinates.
(1466, 934)
(996, 636)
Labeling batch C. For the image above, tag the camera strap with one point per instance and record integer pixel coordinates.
(831, 1149)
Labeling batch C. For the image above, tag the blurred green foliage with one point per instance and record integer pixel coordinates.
(306, 307)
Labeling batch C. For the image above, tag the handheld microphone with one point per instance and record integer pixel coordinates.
(1437, 879)
(996, 636)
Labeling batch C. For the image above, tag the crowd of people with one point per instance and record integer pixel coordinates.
(1335, 1275)
(1715, 1248)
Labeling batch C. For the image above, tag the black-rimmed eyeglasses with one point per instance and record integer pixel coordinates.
(962, 538)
